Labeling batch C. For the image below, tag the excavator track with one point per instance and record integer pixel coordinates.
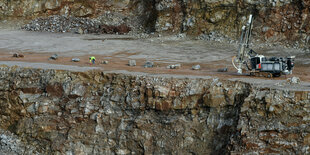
(261, 74)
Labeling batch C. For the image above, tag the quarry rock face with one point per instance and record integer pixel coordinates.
(274, 21)
(45, 111)
(64, 112)
(273, 121)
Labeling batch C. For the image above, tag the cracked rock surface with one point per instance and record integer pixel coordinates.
(65, 112)
(275, 21)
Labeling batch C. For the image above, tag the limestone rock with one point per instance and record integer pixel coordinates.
(53, 57)
(200, 17)
(149, 64)
(105, 62)
(11, 144)
(78, 90)
(71, 112)
(196, 67)
(52, 4)
(75, 59)
(80, 31)
(222, 69)
(293, 80)
(176, 66)
(81, 10)
(77, 25)
(122, 152)
(16, 55)
(132, 63)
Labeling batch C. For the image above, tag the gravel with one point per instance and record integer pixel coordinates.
(49, 66)
(78, 25)
(214, 36)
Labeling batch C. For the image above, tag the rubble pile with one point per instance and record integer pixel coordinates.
(274, 21)
(72, 24)
(215, 36)
(61, 24)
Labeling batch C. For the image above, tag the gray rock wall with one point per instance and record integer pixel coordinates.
(96, 113)
(275, 20)
(275, 121)
(63, 112)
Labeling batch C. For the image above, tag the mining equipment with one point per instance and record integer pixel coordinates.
(258, 65)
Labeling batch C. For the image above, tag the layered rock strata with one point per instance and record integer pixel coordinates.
(275, 20)
(65, 112)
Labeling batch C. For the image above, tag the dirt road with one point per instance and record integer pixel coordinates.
(37, 47)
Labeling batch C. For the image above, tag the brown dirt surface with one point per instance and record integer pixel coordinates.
(121, 63)
(118, 50)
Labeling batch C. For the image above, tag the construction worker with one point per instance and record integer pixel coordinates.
(92, 60)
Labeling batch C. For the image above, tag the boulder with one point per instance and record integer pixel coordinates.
(53, 57)
(149, 64)
(16, 55)
(293, 80)
(222, 69)
(175, 66)
(80, 31)
(105, 62)
(75, 59)
(132, 63)
(196, 67)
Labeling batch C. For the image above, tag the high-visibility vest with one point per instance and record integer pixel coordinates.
(92, 58)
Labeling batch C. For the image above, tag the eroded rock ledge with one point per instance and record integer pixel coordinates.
(65, 112)
(283, 21)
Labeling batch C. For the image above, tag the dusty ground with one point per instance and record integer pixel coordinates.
(37, 47)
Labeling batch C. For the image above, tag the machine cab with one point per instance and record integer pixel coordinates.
(256, 62)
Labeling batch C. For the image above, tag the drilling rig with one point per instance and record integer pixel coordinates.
(258, 65)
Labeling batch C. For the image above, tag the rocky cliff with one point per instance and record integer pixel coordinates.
(65, 112)
(275, 20)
